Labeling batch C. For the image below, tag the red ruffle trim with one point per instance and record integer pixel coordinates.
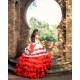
(33, 67)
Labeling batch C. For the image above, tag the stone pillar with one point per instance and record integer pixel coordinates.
(65, 30)
(69, 30)
(62, 30)
(18, 28)
(11, 25)
(14, 28)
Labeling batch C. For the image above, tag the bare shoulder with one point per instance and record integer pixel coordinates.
(37, 36)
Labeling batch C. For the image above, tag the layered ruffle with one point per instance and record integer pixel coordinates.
(33, 67)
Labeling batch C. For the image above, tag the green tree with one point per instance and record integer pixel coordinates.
(44, 32)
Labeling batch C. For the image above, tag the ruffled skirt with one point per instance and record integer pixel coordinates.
(33, 67)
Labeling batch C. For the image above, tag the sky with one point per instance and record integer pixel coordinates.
(46, 10)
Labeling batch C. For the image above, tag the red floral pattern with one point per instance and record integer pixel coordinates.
(31, 48)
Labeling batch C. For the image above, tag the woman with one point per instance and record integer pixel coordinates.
(35, 61)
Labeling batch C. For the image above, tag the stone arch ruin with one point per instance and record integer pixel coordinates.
(18, 29)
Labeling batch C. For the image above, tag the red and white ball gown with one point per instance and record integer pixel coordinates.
(34, 62)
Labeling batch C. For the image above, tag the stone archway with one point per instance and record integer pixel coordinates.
(64, 30)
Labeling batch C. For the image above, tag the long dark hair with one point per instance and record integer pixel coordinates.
(33, 35)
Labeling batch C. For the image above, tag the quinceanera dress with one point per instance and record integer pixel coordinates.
(34, 62)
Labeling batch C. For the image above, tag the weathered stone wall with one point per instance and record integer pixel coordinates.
(18, 28)
(11, 37)
(63, 47)
(65, 33)
(59, 47)
(69, 30)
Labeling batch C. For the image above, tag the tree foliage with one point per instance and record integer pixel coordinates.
(33, 5)
(44, 32)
